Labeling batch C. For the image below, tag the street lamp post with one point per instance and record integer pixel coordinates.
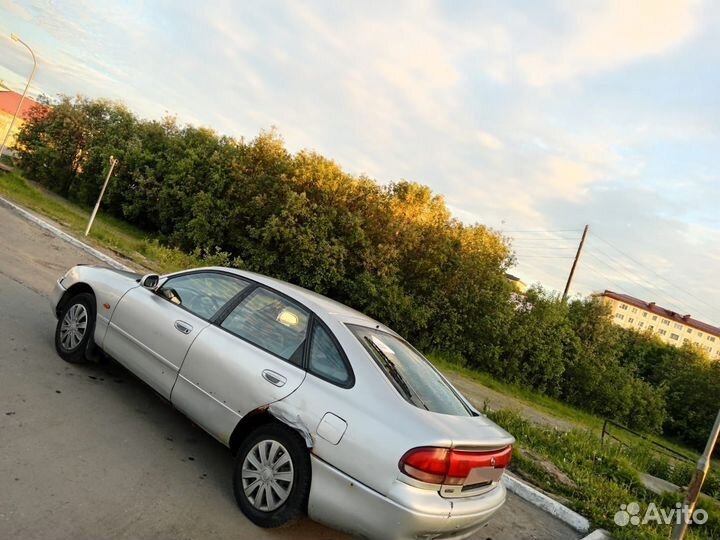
(17, 39)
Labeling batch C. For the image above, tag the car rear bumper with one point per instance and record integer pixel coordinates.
(55, 296)
(408, 513)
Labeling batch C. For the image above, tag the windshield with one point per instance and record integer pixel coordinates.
(411, 374)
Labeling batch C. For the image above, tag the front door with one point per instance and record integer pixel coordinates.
(249, 359)
(150, 332)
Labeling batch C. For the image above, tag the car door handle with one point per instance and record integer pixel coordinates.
(183, 327)
(273, 378)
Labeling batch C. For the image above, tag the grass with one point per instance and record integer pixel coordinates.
(107, 232)
(603, 478)
(536, 400)
(556, 408)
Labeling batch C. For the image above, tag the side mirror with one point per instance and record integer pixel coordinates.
(150, 281)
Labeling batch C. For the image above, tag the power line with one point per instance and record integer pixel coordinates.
(629, 277)
(607, 278)
(546, 242)
(624, 274)
(547, 257)
(548, 247)
(541, 231)
(515, 238)
(691, 295)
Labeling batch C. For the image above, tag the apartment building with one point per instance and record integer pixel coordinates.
(8, 105)
(670, 326)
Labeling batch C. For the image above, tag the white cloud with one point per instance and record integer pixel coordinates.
(490, 104)
(610, 36)
(565, 178)
(489, 140)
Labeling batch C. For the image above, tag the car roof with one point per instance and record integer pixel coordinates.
(321, 305)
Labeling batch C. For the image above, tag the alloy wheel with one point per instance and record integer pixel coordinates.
(73, 326)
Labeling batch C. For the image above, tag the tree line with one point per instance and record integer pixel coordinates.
(393, 251)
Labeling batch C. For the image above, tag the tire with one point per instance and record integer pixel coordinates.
(78, 310)
(252, 501)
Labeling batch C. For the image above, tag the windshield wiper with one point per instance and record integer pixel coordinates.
(395, 374)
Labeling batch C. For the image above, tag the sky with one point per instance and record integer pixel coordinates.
(534, 118)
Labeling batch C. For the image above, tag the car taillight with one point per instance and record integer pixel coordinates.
(446, 466)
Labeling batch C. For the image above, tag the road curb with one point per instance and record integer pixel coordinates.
(533, 496)
(63, 235)
(598, 534)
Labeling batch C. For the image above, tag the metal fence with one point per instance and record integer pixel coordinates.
(659, 447)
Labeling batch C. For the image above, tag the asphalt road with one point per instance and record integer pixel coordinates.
(89, 452)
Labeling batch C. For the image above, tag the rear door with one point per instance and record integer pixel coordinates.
(150, 332)
(251, 357)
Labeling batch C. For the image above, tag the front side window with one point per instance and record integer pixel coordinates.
(271, 322)
(326, 360)
(411, 374)
(202, 293)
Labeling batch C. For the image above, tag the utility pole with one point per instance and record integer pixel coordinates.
(693, 490)
(113, 162)
(574, 264)
(16, 38)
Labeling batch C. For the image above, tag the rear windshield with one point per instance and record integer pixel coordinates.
(411, 374)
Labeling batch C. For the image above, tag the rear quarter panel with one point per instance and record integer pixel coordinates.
(381, 425)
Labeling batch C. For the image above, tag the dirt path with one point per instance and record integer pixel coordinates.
(479, 395)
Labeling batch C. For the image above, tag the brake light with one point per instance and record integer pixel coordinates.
(446, 466)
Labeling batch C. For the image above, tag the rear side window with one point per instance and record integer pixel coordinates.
(410, 373)
(271, 322)
(326, 361)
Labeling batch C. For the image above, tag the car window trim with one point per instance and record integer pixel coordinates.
(233, 303)
(450, 387)
(227, 310)
(203, 271)
(351, 374)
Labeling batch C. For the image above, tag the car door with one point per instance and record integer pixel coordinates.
(151, 331)
(251, 357)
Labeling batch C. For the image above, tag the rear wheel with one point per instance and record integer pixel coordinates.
(75, 327)
(272, 476)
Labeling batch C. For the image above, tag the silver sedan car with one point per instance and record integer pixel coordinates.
(327, 411)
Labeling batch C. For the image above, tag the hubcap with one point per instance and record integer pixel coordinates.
(73, 326)
(267, 475)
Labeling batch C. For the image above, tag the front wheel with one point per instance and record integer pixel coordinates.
(272, 476)
(75, 327)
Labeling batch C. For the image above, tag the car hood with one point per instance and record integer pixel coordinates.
(125, 273)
